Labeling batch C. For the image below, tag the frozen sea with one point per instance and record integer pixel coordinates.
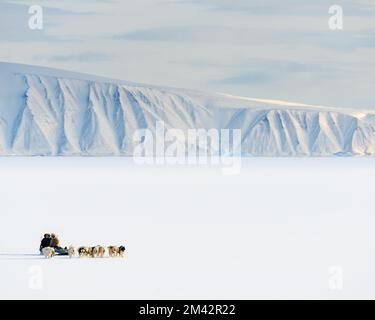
(280, 228)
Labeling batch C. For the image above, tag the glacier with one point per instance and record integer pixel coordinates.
(49, 112)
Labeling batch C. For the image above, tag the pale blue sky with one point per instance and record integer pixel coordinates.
(262, 48)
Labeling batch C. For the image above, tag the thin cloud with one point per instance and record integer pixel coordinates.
(337, 41)
(286, 7)
(263, 72)
(81, 57)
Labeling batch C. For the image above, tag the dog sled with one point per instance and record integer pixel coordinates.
(61, 251)
(58, 251)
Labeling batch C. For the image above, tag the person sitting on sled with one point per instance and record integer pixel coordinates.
(55, 243)
(46, 242)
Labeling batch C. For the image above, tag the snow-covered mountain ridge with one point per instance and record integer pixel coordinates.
(51, 112)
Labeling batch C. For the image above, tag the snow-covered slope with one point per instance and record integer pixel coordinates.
(51, 112)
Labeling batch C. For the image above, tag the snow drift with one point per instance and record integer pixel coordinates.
(51, 112)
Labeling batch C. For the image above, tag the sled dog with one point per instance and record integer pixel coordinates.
(83, 251)
(71, 251)
(121, 251)
(48, 252)
(114, 251)
(100, 251)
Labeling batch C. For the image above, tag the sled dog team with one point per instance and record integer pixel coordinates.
(98, 251)
(50, 248)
